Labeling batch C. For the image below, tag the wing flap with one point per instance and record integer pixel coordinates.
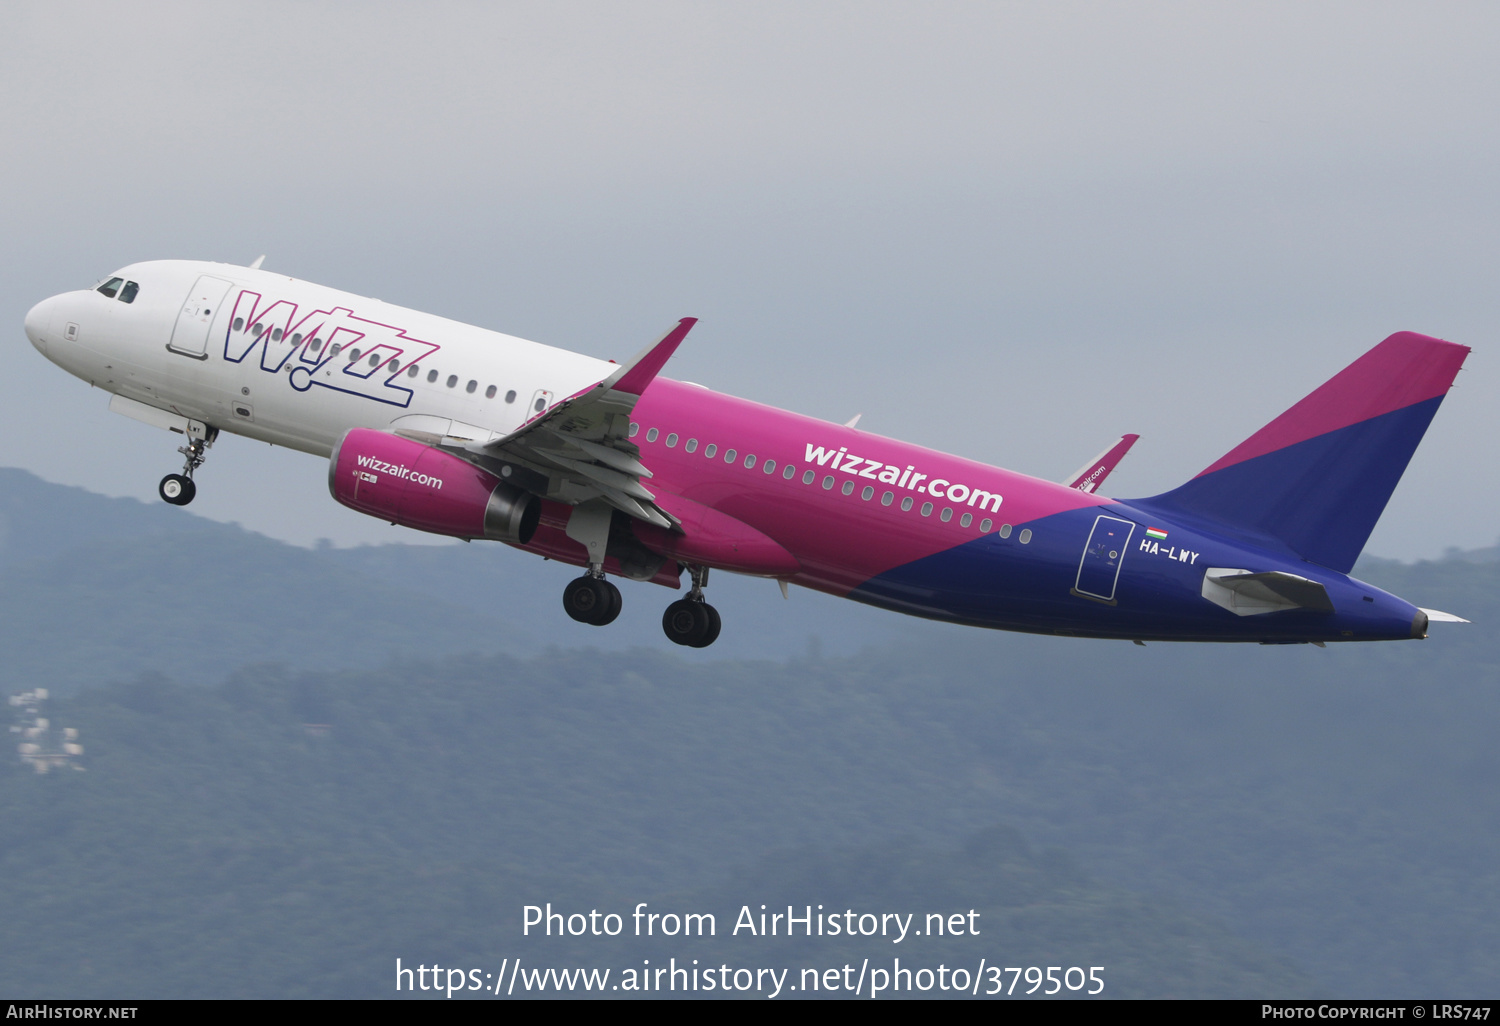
(582, 443)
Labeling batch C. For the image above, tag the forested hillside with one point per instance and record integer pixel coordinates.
(217, 845)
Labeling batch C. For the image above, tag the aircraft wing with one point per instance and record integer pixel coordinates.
(582, 443)
(1092, 474)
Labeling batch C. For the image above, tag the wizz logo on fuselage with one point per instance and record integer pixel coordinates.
(842, 460)
(314, 349)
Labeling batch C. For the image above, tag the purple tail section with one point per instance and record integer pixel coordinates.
(1318, 477)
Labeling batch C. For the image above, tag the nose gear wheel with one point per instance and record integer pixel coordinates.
(177, 489)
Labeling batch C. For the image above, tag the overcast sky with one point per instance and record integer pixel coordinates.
(1010, 231)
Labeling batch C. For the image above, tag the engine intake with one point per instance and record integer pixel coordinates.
(415, 485)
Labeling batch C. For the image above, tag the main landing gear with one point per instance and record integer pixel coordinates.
(692, 621)
(593, 600)
(178, 489)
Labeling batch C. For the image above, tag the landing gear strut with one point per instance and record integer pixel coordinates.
(592, 600)
(692, 621)
(178, 489)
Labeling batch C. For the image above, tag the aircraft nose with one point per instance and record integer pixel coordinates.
(39, 322)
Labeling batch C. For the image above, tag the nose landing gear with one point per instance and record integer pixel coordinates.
(178, 489)
(692, 621)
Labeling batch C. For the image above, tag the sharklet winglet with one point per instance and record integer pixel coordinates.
(1091, 475)
(638, 372)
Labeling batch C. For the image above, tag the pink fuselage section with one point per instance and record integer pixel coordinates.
(838, 527)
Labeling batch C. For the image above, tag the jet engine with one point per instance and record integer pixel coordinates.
(416, 485)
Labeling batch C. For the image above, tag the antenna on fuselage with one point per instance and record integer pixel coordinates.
(255, 264)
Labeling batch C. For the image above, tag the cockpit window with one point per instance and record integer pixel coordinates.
(111, 287)
(127, 294)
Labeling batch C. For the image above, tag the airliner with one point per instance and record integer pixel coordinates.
(460, 431)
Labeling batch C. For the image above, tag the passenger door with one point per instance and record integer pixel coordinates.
(190, 336)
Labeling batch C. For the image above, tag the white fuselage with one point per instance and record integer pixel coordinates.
(205, 360)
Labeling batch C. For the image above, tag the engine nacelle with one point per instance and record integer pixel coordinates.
(416, 485)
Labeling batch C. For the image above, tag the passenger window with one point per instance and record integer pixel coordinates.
(1005, 530)
(906, 504)
(111, 287)
(239, 324)
(966, 520)
(431, 376)
(749, 462)
(672, 441)
(828, 482)
(510, 396)
(353, 355)
(947, 514)
(634, 430)
(985, 525)
(297, 339)
(927, 509)
(848, 488)
(729, 456)
(1026, 536)
(333, 350)
(411, 371)
(709, 452)
(790, 472)
(489, 393)
(128, 294)
(692, 445)
(394, 365)
(317, 344)
(374, 359)
(469, 388)
(769, 466)
(276, 335)
(807, 477)
(452, 380)
(652, 435)
(888, 498)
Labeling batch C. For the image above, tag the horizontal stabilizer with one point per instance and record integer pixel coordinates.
(1091, 475)
(1249, 594)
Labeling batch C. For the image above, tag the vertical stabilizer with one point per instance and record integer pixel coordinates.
(1318, 477)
